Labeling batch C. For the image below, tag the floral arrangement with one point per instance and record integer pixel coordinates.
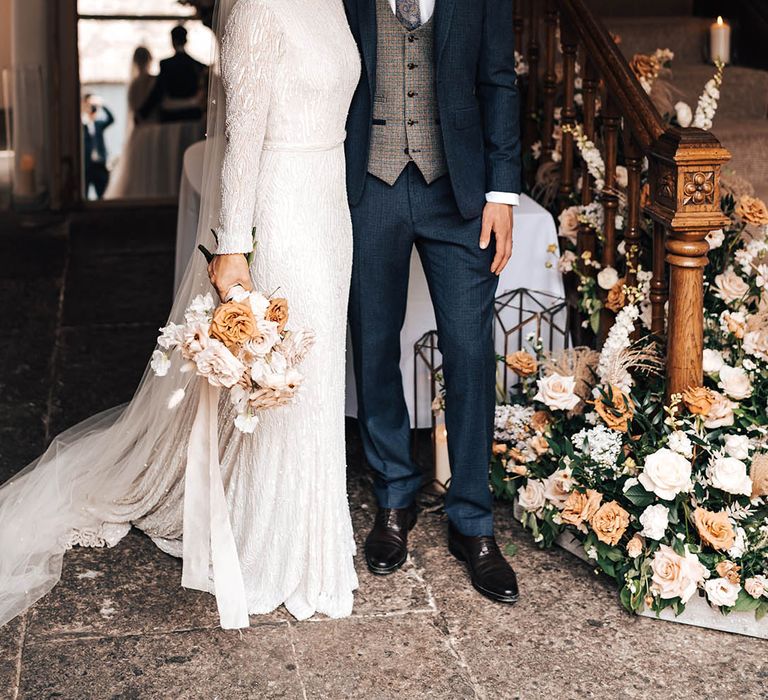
(241, 345)
(669, 497)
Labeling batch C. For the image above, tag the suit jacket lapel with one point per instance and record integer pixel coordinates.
(368, 38)
(443, 18)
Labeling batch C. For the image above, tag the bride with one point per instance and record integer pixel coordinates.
(283, 536)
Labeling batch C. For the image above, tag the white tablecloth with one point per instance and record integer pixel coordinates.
(534, 231)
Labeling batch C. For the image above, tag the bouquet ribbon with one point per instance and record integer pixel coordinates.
(208, 537)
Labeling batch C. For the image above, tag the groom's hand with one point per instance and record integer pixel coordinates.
(227, 271)
(498, 221)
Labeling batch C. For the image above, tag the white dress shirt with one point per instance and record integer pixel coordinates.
(427, 8)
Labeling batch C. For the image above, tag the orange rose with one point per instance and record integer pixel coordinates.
(278, 313)
(616, 299)
(610, 522)
(758, 472)
(752, 210)
(698, 400)
(522, 363)
(617, 413)
(730, 570)
(579, 507)
(714, 529)
(233, 324)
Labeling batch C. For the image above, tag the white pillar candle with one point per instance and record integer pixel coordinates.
(720, 41)
(442, 461)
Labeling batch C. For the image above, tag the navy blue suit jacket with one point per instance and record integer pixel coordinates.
(477, 97)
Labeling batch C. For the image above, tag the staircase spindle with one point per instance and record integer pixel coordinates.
(610, 199)
(634, 159)
(532, 98)
(550, 79)
(570, 45)
(659, 291)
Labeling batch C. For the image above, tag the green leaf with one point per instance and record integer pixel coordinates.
(594, 322)
(638, 496)
(511, 549)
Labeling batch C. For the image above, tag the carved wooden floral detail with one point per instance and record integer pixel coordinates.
(698, 188)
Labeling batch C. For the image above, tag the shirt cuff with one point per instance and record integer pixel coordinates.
(503, 198)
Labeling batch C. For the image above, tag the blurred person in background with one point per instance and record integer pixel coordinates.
(96, 119)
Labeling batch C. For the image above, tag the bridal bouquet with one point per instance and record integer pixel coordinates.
(241, 345)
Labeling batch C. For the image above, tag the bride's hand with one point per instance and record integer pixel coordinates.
(227, 271)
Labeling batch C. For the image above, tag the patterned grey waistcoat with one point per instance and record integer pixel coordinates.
(405, 117)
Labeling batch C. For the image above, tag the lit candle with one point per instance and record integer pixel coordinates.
(720, 41)
(442, 461)
(26, 186)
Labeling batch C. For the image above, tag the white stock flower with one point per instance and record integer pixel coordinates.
(730, 475)
(713, 361)
(607, 278)
(246, 423)
(531, 497)
(201, 309)
(666, 474)
(720, 591)
(558, 392)
(684, 114)
(170, 336)
(160, 363)
(259, 304)
(679, 442)
(735, 382)
(739, 547)
(655, 520)
(737, 446)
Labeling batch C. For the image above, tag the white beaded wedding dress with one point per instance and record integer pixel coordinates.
(274, 161)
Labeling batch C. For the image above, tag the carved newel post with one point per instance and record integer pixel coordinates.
(685, 199)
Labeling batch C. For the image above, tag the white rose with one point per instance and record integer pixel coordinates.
(734, 381)
(737, 446)
(246, 423)
(756, 586)
(739, 544)
(684, 114)
(160, 363)
(607, 278)
(531, 496)
(679, 442)
(720, 591)
(558, 392)
(675, 576)
(730, 475)
(655, 520)
(713, 361)
(715, 238)
(730, 287)
(666, 474)
(201, 309)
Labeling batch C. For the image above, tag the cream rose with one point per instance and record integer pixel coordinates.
(558, 487)
(655, 520)
(758, 474)
(730, 475)
(531, 496)
(756, 586)
(721, 592)
(730, 286)
(558, 392)
(569, 223)
(675, 576)
(737, 446)
(219, 365)
(720, 413)
(735, 382)
(756, 344)
(712, 361)
(607, 278)
(666, 473)
(635, 546)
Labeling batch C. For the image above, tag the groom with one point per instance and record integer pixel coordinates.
(433, 160)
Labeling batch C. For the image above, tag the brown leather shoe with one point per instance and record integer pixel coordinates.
(386, 547)
(489, 571)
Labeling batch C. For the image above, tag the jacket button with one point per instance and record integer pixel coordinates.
(411, 38)
(411, 93)
(405, 150)
(411, 66)
(411, 122)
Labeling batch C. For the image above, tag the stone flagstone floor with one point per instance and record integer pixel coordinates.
(93, 290)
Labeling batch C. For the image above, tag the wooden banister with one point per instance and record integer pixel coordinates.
(682, 196)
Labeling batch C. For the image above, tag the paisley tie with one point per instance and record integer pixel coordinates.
(409, 13)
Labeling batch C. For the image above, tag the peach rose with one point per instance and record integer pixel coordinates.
(714, 529)
(616, 299)
(540, 421)
(540, 445)
(758, 472)
(610, 522)
(644, 66)
(730, 287)
(278, 313)
(698, 400)
(635, 546)
(756, 343)
(720, 412)
(233, 324)
(580, 507)
(729, 570)
(522, 363)
(675, 576)
(499, 448)
(752, 210)
(734, 322)
(618, 412)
